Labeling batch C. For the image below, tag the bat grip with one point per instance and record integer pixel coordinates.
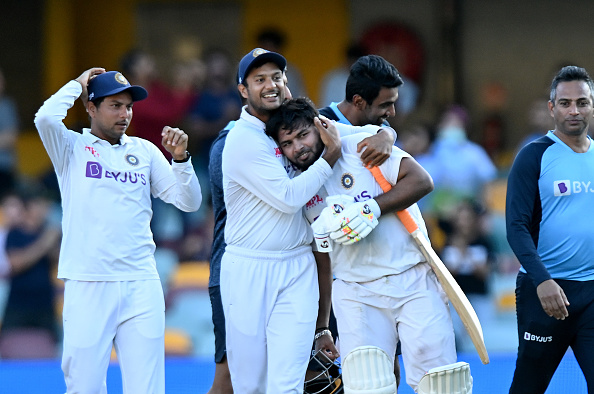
(380, 179)
(407, 220)
(404, 216)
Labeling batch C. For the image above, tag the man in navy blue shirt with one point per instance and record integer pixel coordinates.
(549, 227)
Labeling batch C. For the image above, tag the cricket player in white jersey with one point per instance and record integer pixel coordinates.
(269, 279)
(113, 295)
(384, 290)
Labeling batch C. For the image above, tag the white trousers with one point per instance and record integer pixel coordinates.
(270, 301)
(410, 307)
(129, 315)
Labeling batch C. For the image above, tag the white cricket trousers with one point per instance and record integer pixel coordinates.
(410, 307)
(270, 301)
(131, 316)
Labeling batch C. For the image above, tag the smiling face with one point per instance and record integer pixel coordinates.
(112, 117)
(382, 108)
(572, 109)
(264, 90)
(302, 145)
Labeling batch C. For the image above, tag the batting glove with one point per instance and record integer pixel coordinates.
(321, 232)
(356, 222)
(326, 222)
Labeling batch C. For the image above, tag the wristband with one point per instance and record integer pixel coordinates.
(183, 160)
(374, 207)
(321, 329)
(322, 333)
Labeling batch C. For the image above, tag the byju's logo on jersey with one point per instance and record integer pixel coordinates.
(562, 188)
(94, 170)
(567, 187)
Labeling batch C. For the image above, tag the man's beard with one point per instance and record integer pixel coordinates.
(317, 152)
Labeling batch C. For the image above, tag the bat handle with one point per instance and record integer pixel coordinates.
(408, 221)
(404, 216)
(380, 179)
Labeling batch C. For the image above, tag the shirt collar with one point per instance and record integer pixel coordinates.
(341, 118)
(92, 138)
(245, 115)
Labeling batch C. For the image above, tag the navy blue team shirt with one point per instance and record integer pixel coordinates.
(215, 171)
(550, 210)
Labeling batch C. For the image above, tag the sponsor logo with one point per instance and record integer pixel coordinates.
(92, 150)
(314, 201)
(337, 208)
(366, 209)
(278, 152)
(131, 159)
(536, 338)
(95, 170)
(566, 187)
(347, 181)
(363, 196)
(562, 188)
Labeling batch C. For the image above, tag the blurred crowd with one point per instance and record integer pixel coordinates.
(199, 94)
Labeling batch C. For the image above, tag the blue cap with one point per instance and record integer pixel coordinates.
(256, 58)
(113, 82)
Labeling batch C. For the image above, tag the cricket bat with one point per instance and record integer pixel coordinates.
(450, 286)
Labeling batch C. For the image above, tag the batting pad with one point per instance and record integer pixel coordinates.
(368, 370)
(448, 379)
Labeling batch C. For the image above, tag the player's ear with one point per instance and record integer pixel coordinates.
(242, 90)
(359, 102)
(91, 109)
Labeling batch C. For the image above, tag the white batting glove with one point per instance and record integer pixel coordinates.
(321, 232)
(356, 222)
(326, 222)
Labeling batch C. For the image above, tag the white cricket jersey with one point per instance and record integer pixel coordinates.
(106, 195)
(388, 249)
(264, 202)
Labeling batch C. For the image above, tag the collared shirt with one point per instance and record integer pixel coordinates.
(264, 202)
(388, 249)
(106, 193)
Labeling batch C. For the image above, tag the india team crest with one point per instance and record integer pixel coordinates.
(121, 79)
(258, 52)
(132, 160)
(347, 180)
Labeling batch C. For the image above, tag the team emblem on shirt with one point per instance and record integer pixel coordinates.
(132, 160)
(347, 180)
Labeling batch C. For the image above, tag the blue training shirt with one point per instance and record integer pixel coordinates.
(215, 172)
(550, 210)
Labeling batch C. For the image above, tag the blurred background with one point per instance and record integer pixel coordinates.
(477, 76)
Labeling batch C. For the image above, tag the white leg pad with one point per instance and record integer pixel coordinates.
(448, 379)
(368, 370)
